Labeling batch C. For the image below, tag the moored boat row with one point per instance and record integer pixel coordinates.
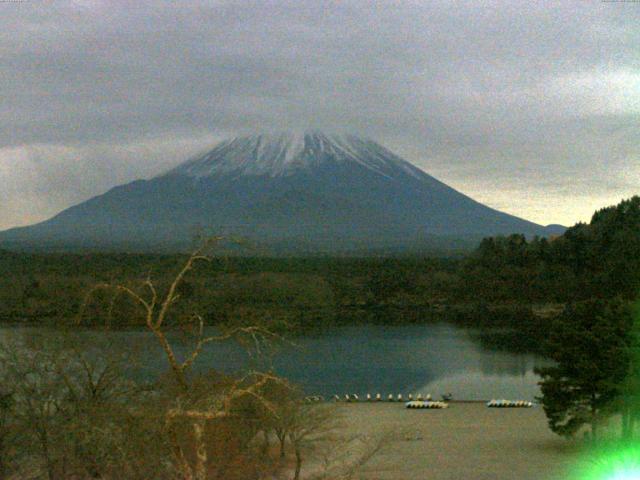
(502, 403)
(352, 397)
(427, 404)
(419, 401)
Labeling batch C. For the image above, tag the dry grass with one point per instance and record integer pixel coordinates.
(465, 441)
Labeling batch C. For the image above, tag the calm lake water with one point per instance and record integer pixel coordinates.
(433, 359)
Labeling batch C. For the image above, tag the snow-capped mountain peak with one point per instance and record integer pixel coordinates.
(308, 192)
(283, 154)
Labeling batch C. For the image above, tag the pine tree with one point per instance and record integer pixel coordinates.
(590, 344)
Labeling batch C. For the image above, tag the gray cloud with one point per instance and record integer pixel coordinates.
(531, 107)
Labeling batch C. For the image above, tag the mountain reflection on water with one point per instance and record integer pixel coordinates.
(372, 359)
(423, 359)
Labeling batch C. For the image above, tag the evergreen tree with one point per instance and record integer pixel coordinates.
(590, 343)
(629, 404)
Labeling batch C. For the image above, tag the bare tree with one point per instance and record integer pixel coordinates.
(39, 401)
(84, 419)
(210, 407)
(309, 425)
(71, 406)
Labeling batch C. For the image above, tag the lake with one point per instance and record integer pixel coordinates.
(433, 359)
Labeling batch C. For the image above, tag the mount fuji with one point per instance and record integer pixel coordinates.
(295, 192)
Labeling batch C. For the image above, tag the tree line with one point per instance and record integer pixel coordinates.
(594, 269)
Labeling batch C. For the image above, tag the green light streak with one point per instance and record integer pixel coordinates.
(618, 460)
(621, 463)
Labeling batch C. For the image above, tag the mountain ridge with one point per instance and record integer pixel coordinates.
(327, 192)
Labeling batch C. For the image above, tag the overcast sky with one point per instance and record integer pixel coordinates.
(531, 107)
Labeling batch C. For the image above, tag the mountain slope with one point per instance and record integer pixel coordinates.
(326, 192)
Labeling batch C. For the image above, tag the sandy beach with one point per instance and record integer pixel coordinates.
(465, 441)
